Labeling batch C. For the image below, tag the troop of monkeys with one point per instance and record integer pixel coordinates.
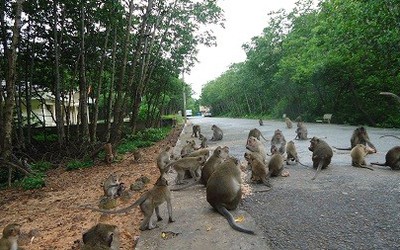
(220, 173)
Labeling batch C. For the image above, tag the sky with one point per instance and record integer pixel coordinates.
(244, 20)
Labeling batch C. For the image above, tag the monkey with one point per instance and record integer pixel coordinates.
(259, 170)
(101, 236)
(148, 202)
(255, 145)
(322, 154)
(392, 159)
(203, 143)
(224, 191)
(291, 153)
(163, 158)
(188, 148)
(275, 164)
(110, 154)
(301, 131)
(196, 131)
(199, 152)
(278, 141)
(137, 156)
(112, 186)
(218, 156)
(9, 240)
(360, 136)
(217, 133)
(256, 133)
(261, 122)
(289, 123)
(358, 154)
(188, 163)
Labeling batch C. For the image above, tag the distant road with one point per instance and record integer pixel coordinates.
(344, 208)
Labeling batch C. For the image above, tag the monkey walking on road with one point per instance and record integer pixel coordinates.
(148, 202)
(224, 191)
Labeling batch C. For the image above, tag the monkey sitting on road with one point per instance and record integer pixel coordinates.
(9, 240)
(261, 122)
(217, 133)
(301, 131)
(101, 236)
(148, 202)
(278, 141)
(196, 131)
(203, 143)
(288, 122)
(256, 133)
(259, 170)
(224, 191)
(392, 159)
(358, 154)
(360, 136)
(256, 146)
(275, 164)
(322, 154)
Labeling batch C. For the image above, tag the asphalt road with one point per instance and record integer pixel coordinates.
(344, 208)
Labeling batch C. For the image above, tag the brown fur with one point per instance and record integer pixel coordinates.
(322, 154)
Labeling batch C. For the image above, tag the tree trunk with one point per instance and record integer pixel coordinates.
(111, 90)
(83, 92)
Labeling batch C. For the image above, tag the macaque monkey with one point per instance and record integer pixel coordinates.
(261, 122)
(358, 154)
(164, 158)
(291, 153)
(110, 156)
(217, 133)
(193, 164)
(224, 191)
(188, 148)
(203, 143)
(196, 131)
(199, 152)
(256, 146)
(218, 156)
(275, 163)
(289, 123)
(301, 131)
(322, 154)
(278, 141)
(101, 236)
(360, 136)
(256, 133)
(112, 186)
(259, 170)
(137, 156)
(392, 159)
(9, 240)
(148, 202)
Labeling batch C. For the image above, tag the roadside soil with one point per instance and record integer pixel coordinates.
(51, 217)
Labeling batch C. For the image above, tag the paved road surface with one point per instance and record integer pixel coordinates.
(344, 208)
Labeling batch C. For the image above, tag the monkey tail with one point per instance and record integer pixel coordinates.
(303, 164)
(122, 210)
(342, 148)
(379, 164)
(390, 136)
(185, 186)
(231, 220)
(363, 166)
(318, 169)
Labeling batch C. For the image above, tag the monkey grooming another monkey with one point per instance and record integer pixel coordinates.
(218, 156)
(189, 147)
(148, 202)
(256, 146)
(322, 154)
(261, 122)
(301, 131)
(196, 131)
(259, 170)
(217, 133)
(360, 136)
(358, 154)
(192, 164)
(224, 191)
(256, 133)
(112, 186)
(278, 141)
(9, 240)
(101, 236)
(392, 159)
(163, 159)
(289, 123)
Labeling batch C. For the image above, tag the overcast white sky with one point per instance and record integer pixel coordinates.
(244, 20)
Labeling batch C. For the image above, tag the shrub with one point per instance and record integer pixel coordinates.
(33, 182)
(77, 164)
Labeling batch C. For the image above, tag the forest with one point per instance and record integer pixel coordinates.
(97, 68)
(331, 56)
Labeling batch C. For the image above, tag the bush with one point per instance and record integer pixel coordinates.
(41, 166)
(142, 139)
(76, 164)
(33, 182)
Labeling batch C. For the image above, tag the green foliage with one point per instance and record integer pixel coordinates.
(41, 166)
(33, 182)
(78, 164)
(142, 139)
(43, 137)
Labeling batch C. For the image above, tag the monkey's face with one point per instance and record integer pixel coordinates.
(313, 143)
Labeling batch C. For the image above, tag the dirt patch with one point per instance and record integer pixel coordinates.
(52, 214)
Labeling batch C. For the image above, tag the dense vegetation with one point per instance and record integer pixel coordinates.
(334, 57)
(124, 58)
